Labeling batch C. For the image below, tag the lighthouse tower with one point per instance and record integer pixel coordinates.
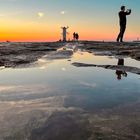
(64, 33)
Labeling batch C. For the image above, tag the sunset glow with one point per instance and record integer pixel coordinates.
(31, 20)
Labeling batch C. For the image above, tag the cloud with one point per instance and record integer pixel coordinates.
(40, 14)
(63, 69)
(13, 90)
(63, 12)
(90, 85)
(6, 88)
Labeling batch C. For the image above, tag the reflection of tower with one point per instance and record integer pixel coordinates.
(64, 33)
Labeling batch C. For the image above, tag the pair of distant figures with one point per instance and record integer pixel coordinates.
(75, 36)
(122, 16)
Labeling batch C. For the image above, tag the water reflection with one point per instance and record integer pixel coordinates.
(57, 101)
(120, 73)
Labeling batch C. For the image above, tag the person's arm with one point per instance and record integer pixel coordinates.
(128, 12)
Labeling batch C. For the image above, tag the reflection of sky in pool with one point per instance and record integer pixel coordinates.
(29, 96)
(90, 88)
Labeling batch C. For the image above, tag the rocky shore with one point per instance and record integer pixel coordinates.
(15, 54)
(21, 54)
(129, 49)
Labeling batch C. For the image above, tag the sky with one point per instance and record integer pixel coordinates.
(41, 20)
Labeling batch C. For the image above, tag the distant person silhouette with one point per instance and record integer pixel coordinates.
(120, 73)
(74, 36)
(123, 21)
(77, 36)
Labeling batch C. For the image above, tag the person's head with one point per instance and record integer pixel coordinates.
(123, 8)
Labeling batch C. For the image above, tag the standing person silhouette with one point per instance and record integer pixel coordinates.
(123, 20)
(77, 36)
(120, 73)
(74, 36)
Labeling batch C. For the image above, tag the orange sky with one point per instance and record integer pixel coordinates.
(37, 31)
(42, 20)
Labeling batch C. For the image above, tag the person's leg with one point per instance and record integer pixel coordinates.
(122, 33)
(119, 35)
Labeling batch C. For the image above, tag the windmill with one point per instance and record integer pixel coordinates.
(64, 33)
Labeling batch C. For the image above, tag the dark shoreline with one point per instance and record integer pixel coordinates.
(14, 54)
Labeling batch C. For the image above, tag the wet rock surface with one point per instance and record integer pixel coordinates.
(63, 126)
(80, 125)
(112, 67)
(15, 54)
(122, 50)
(20, 54)
(130, 49)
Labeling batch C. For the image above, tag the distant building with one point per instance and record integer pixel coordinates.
(64, 33)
